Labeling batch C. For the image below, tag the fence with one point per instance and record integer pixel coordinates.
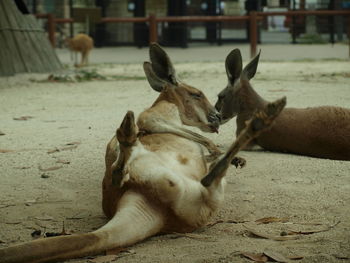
(252, 19)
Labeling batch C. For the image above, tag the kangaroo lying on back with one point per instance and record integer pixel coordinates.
(167, 185)
(322, 132)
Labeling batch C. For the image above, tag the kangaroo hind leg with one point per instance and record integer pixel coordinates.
(126, 136)
(261, 121)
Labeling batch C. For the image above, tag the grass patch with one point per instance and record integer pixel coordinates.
(311, 39)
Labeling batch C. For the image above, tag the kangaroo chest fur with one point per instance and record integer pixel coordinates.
(168, 168)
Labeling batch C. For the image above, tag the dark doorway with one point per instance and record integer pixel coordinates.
(141, 30)
(213, 28)
(175, 33)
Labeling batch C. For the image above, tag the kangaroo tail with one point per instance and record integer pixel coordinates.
(135, 220)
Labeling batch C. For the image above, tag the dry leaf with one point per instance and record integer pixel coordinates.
(215, 223)
(268, 236)
(49, 168)
(44, 218)
(230, 221)
(79, 215)
(275, 256)
(296, 257)
(23, 118)
(103, 259)
(271, 219)
(53, 150)
(73, 143)
(30, 202)
(255, 257)
(13, 223)
(6, 151)
(69, 148)
(116, 251)
(341, 257)
(63, 162)
(309, 223)
(4, 206)
(309, 232)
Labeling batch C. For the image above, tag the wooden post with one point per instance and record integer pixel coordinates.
(253, 33)
(51, 25)
(153, 34)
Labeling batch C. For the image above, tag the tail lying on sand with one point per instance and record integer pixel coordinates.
(134, 221)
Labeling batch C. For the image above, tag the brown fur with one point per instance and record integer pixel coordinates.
(322, 132)
(83, 44)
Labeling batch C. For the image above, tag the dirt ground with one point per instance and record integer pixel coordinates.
(54, 171)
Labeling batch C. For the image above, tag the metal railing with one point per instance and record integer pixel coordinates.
(153, 21)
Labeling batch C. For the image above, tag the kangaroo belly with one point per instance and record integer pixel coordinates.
(322, 132)
(172, 179)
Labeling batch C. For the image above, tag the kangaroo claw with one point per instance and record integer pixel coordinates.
(239, 162)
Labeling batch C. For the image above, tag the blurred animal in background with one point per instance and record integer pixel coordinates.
(83, 44)
(322, 132)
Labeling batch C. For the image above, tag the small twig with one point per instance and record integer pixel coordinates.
(11, 223)
(268, 236)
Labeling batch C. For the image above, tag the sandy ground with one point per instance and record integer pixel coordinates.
(40, 188)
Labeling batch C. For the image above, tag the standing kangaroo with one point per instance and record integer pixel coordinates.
(322, 132)
(166, 185)
(83, 44)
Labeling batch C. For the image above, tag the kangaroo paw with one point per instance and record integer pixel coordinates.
(214, 155)
(261, 121)
(127, 136)
(239, 162)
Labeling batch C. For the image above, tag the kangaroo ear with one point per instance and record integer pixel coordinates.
(233, 65)
(161, 64)
(156, 83)
(250, 69)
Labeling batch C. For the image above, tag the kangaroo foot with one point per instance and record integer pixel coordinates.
(127, 136)
(261, 121)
